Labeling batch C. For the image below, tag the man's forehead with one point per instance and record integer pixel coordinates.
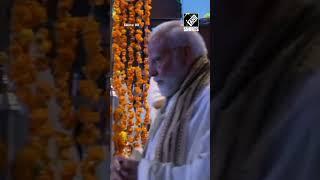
(156, 47)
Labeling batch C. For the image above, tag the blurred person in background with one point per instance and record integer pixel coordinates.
(266, 90)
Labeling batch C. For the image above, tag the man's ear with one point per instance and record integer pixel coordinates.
(187, 53)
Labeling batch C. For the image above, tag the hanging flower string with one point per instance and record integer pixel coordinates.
(96, 66)
(27, 35)
(119, 126)
(66, 29)
(130, 74)
(29, 47)
(146, 125)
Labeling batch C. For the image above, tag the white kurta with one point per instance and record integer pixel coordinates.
(197, 165)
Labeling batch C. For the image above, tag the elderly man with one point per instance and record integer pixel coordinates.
(179, 144)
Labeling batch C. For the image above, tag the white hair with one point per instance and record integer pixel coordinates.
(173, 35)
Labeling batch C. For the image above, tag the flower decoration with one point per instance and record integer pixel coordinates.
(130, 74)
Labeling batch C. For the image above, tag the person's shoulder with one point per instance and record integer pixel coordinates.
(204, 95)
(202, 101)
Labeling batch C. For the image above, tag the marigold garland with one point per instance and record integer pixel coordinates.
(26, 16)
(66, 28)
(96, 65)
(28, 56)
(130, 74)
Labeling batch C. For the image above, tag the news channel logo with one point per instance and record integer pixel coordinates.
(191, 21)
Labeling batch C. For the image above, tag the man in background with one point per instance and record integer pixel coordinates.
(267, 90)
(178, 146)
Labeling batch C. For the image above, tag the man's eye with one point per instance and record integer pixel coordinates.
(155, 60)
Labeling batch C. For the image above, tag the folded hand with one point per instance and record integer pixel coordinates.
(124, 169)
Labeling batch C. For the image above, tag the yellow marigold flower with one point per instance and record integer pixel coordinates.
(25, 36)
(96, 153)
(66, 55)
(130, 122)
(123, 137)
(130, 130)
(39, 14)
(89, 135)
(15, 50)
(25, 163)
(137, 145)
(68, 118)
(46, 174)
(69, 170)
(63, 140)
(130, 139)
(138, 90)
(138, 130)
(65, 5)
(41, 64)
(39, 116)
(45, 47)
(144, 138)
(45, 131)
(65, 153)
(147, 119)
(44, 89)
(88, 116)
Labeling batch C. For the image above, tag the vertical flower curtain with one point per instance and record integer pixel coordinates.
(35, 48)
(131, 23)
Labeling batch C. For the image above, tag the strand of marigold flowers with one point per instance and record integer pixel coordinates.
(88, 87)
(137, 84)
(96, 66)
(136, 92)
(142, 83)
(68, 166)
(66, 28)
(90, 134)
(120, 122)
(144, 133)
(127, 61)
(26, 15)
(130, 76)
(126, 119)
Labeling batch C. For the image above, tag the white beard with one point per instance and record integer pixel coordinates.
(171, 82)
(169, 85)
